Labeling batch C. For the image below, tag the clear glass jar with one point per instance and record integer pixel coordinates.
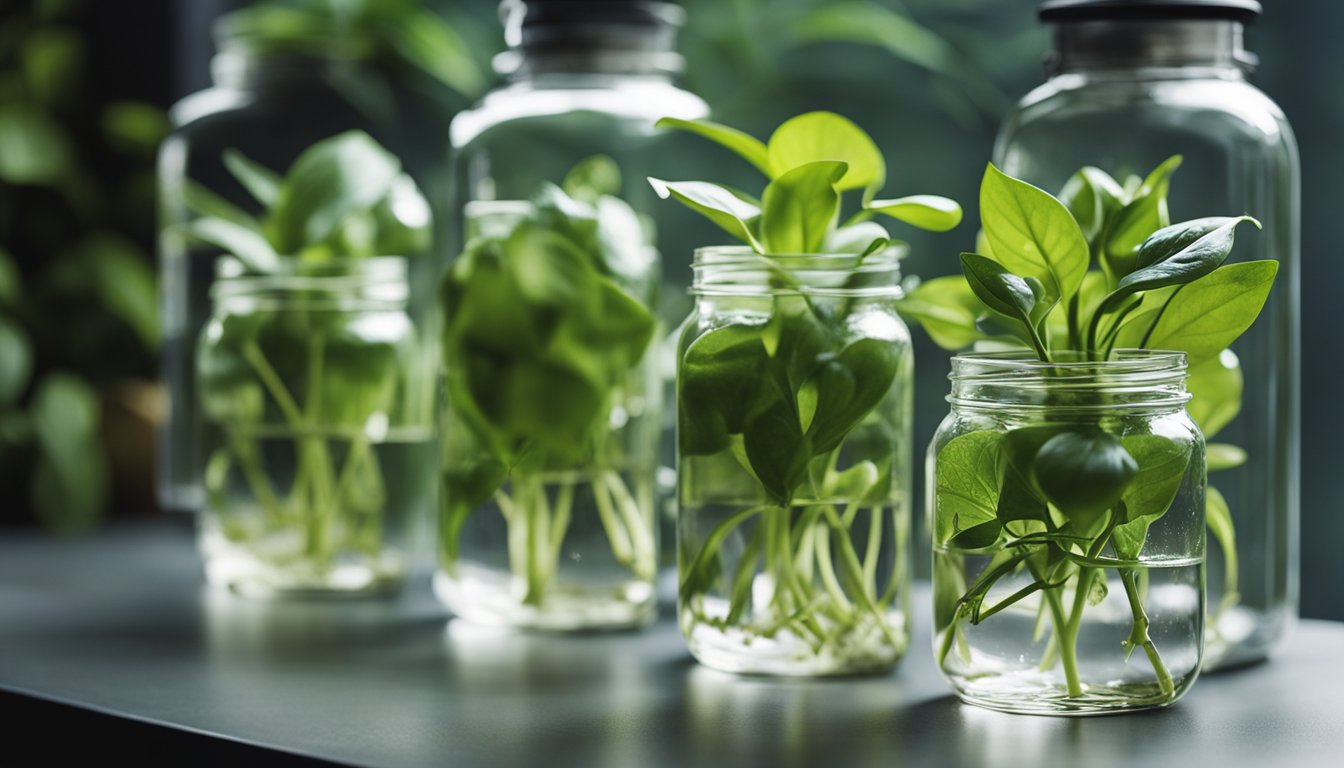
(1128, 89)
(1066, 501)
(551, 421)
(270, 103)
(793, 457)
(320, 439)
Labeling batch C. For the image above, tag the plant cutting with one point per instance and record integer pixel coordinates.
(547, 514)
(793, 409)
(310, 374)
(1070, 491)
(1115, 219)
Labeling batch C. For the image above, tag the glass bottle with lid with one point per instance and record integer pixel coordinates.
(1131, 83)
(271, 99)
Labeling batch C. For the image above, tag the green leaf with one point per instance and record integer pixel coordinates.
(860, 21)
(1218, 516)
(1092, 196)
(247, 245)
(931, 212)
(1162, 467)
(1179, 254)
(11, 279)
(777, 449)
(34, 148)
(135, 127)
(1221, 456)
(69, 484)
(848, 387)
(1145, 213)
(1083, 472)
(126, 283)
(203, 202)
(430, 44)
(856, 238)
(1215, 388)
(53, 62)
(721, 205)
(748, 147)
(799, 208)
(591, 178)
(16, 361)
(1032, 234)
(947, 308)
(1001, 290)
(821, 136)
(1021, 497)
(718, 378)
(966, 484)
(345, 174)
(1206, 316)
(259, 181)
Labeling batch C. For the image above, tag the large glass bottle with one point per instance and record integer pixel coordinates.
(580, 80)
(1130, 84)
(269, 101)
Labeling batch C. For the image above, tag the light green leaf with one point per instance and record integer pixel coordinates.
(135, 127)
(591, 178)
(431, 44)
(69, 485)
(203, 202)
(855, 238)
(818, 136)
(259, 181)
(1032, 233)
(947, 309)
(1145, 213)
(799, 208)
(1091, 195)
(1222, 456)
(34, 148)
(1215, 388)
(1218, 516)
(339, 176)
(1206, 316)
(721, 205)
(860, 21)
(745, 145)
(966, 484)
(125, 281)
(931, 212)
(247, 245)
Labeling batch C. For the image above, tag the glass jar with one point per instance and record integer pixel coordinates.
(1067, 508)
(1130, 85)
(320, 428)
(269, 102)
(793, 459)
(551, 420)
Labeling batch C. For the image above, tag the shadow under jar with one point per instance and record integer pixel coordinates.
(1067, 504)
(320, 428)
(793, 459)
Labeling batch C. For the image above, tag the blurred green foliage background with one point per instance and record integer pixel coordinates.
(83, 86)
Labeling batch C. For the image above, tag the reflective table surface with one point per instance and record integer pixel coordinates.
(121, 625)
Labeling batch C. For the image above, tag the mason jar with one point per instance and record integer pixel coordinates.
(1131, 84)
(269, 100)
(793, 461)
(1066, 501)
(550, 424)
(320, 440)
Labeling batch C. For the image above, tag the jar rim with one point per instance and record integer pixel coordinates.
(380, 279)
(738, 270)
(1016, 379)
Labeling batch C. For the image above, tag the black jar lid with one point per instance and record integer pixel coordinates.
(643, 13)
(1111, 10)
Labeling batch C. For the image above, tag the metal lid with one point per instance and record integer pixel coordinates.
(1095, 10)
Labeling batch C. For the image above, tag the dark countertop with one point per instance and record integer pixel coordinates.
(120, 626)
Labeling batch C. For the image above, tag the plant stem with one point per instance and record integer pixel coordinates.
(1066, 644)
(1139, 634)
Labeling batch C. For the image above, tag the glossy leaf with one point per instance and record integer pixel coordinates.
(1083, 472)
(799, 208)
(1145, 213)
(1179, 254)
(1162, 467)
(1032, 234)
(721, 205)
(999, 289)
(748, 147)
(931, 212)
(1091, 195)
(1206, 316)
(848, 387)
(248, 245)
(820, 136)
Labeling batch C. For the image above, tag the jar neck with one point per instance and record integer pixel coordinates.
(1194, 48)
(1132, 380)
(244, 69)
(377, 283)
(739, 271)
(590, 38)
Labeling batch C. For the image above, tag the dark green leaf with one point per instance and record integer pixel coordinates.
(847, 388)
(126, 283)
(1162, 466)
(777, 449)
(70, 481)
(135, 127)
(1179, 254)
(1000, 290)
(1083, 472)
(800, 206)
(11, 280)
(1021, 497)
(430, 44)
(16, 361)
(746, 146)
(1145, 213)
